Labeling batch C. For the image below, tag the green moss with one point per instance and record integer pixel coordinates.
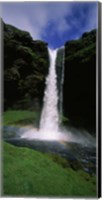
(28, 172)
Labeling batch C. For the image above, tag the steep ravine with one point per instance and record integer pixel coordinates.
(26, 66)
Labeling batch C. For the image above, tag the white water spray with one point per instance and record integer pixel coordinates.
(61, 84)
(50, 117)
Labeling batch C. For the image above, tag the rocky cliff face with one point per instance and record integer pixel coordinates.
(25, 68)
(80, 81)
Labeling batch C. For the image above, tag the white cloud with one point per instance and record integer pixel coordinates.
(22, 21)
(37, 17)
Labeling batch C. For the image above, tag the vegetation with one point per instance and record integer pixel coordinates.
(80, 81)
(28, 172)
(20, 117)
(25, 68)
(65, 163)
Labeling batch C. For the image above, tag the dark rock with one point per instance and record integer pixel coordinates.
(80, 82)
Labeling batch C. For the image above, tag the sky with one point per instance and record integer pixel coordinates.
(52, 22)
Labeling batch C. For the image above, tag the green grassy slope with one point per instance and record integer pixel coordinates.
(21, 117)
(28, 172)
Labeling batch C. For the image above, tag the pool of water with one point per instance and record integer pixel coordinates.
(78, 154)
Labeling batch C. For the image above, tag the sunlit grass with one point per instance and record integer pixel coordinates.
(28, 172)
(23, 117)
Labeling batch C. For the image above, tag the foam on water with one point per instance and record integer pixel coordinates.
(65, 135)
(43, 135)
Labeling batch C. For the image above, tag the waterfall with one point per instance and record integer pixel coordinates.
(50, 116)
(61, 84)
(60, 79)
(49, 122)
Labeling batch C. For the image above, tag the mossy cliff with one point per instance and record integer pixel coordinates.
(25, 68)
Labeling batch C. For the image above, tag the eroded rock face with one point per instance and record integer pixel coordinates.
(80, 81)
(25, 68)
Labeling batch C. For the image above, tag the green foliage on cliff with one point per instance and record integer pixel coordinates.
(80, 81)
(25, 68)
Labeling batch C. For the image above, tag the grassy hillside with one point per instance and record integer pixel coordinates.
(28, 172)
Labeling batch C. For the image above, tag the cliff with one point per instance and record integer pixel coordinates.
(80, 81)
(25, 68)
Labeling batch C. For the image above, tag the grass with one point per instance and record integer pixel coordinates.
(30, 173)
(20, 117)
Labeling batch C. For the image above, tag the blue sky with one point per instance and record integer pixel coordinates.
(53, 22)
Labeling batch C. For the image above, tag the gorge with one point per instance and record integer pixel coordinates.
(27, 64)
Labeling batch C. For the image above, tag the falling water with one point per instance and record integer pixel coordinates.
(61, 84)
(50, 117)
(49, 122)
